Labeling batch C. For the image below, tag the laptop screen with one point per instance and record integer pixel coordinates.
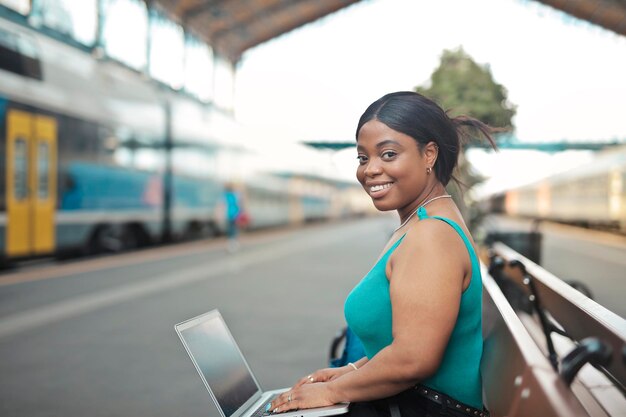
(219, 360)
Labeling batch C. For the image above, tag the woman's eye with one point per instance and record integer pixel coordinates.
(362, 159)
(388, 154)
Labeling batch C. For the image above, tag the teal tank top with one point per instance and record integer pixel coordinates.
(368, 313)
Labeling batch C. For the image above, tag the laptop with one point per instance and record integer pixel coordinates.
(226, 374)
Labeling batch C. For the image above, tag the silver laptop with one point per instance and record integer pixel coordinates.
(226, 373)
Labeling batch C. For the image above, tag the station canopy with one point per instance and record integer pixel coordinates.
(610, 14)
(233, 26)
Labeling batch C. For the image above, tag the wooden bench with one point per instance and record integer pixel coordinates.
(518, 380)
(562, 320)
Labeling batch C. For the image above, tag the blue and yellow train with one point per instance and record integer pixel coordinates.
(97, 157)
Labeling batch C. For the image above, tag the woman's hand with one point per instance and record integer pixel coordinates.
(323, 375)
(310, 392)
(309, 395)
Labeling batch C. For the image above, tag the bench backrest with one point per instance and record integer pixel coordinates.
(518, 380)
(580, 316)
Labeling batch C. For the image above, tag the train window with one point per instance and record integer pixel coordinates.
(19, 54)
(125, 31)
(20, 169)
(198, 68)
(30, 57)
(196, 162)
(78, 139)
(43, 171)
(20, 6)
(8, 41)
(77, 19)
(167, 50)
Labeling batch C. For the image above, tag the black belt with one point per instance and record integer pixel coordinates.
(440, 398)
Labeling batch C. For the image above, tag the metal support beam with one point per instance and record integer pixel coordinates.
(552, 146)
(168, 180)
(539, 146)
(265, 13)
(200, 8)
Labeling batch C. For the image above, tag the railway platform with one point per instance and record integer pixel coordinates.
(79, 334)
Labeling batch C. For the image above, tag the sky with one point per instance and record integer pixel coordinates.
(566, 77)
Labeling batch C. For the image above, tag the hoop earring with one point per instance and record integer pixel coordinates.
(428, 170)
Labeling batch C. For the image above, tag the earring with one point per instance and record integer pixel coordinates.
(428, 170)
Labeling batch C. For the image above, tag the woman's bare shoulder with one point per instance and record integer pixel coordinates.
(431, 240)
(429, 231)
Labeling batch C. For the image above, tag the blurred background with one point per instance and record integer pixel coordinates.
(125, 123)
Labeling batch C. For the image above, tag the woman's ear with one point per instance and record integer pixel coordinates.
(431, 151)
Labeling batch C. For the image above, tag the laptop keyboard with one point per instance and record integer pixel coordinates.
(260, 412)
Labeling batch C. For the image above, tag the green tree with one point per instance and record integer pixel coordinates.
(463, 87)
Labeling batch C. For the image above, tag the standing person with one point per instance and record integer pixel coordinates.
(418, 310)
(232, 201)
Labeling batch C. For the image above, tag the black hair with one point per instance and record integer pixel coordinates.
(425, 121)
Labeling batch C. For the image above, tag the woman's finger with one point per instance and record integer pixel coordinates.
(300, 382)
(309, 379)
(277, 402)
(284, 402)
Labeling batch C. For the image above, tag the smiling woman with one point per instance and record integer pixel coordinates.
(418, 311)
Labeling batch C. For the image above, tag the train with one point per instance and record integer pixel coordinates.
(592, 195)
(98, 157)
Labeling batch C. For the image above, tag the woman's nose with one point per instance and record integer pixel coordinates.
(373, 168)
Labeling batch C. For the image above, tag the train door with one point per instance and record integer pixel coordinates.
(31, 183)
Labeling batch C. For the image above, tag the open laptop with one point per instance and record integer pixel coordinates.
(226, 373)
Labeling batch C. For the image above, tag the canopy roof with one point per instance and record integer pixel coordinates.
(233, 26)
(610, 14)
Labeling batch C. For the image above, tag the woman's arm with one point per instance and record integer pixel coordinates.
(328, 374)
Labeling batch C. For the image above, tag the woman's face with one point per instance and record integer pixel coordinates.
(392, 170)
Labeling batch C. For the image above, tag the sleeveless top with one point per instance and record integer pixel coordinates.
(368, 313)
(232, 205)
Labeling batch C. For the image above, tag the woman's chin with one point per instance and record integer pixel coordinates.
(383, 205)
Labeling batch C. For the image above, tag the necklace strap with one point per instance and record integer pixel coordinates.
(420, 207)
(436, 198)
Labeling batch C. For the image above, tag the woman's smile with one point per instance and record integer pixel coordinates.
(379, 190)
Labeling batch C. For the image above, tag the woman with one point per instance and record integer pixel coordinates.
(232, 201)
(418, 310)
